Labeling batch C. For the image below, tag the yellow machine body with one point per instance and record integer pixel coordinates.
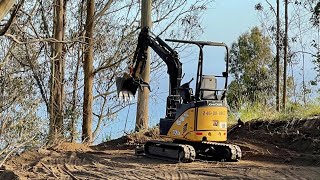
(197, 122)
(206, 123)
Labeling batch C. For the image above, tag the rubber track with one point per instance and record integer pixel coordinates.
(188, 151)
(235, 150)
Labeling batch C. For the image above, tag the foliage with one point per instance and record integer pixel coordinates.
(315, 18)
(303, 37)
(252, 69)
(19, 103)
(256, 111)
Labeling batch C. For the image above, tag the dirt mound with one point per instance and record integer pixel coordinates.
(30, 160)
(26, 157)
(131, 140)
(294, 140)
(67, 146)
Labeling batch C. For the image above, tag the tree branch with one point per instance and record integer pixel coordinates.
(12, 17)
(272, 8)
(104, 9)
(50, 40)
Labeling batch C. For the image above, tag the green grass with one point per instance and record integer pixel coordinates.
(257, 111)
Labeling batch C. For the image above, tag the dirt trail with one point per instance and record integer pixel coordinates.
(123, 164)
(270, 151)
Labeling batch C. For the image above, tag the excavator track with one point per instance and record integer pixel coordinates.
(219, 151)
(170, 151)
(183, 152)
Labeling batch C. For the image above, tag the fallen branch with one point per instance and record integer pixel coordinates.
(49, 170)
(69, 173)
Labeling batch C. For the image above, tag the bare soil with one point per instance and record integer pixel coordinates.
(271, 150)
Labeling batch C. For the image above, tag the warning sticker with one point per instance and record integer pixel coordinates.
(223, 125)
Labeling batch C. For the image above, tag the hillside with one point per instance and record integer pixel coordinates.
(271, 149)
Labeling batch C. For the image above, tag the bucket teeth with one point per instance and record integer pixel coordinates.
(125, 95)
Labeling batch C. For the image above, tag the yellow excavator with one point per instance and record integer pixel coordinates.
(197, 122)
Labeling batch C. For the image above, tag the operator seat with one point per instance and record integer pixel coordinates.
(208, 88)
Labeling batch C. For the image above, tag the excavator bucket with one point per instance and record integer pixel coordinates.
(127, 86)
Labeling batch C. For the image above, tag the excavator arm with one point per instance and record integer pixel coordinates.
(129, 83)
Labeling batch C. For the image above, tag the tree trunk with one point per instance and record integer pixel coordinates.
(278, 57)
(143, 97)
(5, 6)
(285, 62)
(57, 73)
(74, 99)
(88, 75)
(75, 78)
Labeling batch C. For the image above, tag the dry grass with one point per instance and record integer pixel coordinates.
(257, 111)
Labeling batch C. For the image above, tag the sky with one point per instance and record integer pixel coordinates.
(224, 21)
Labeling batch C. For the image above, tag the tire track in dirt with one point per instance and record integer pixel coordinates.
(190, 171)
(123, 164)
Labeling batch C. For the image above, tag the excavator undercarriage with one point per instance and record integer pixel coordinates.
(189, 152)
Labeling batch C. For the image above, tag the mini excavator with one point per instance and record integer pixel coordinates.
(197, 122)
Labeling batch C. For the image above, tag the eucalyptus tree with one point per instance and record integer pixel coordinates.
(303, 41)
(252, 67)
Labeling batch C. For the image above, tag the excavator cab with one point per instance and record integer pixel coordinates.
(206, 85)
